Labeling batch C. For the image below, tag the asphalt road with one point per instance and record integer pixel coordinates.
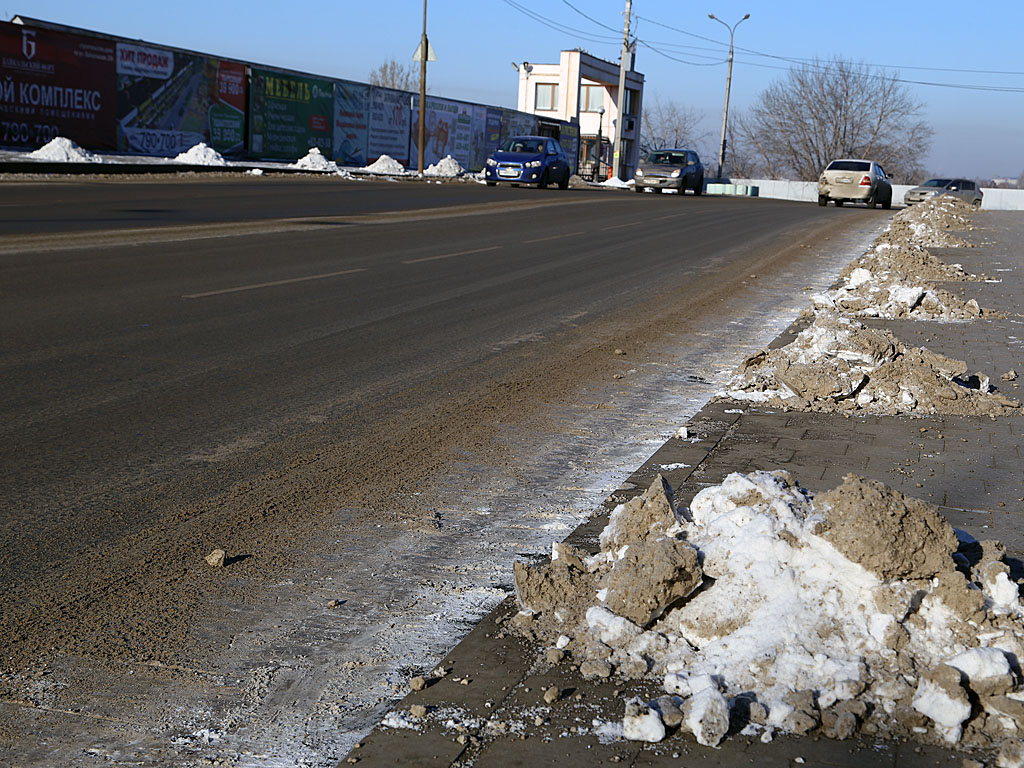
(237, 387)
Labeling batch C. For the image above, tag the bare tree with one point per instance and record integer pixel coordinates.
(1020, 181)
(828, 109)
(394, 74)
(667, 124)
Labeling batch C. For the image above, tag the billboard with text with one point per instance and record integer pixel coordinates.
(169, 101)
(351, 122)
(389, 125)
(55, 84)
(289, 114)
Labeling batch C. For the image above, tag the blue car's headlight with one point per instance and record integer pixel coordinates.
(534, 164)
(491, 161)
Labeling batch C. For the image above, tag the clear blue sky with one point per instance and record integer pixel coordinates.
(978, 133)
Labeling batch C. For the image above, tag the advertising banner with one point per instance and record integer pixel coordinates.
(447, 131)
(390, 124)
(351, 122)
(169, 101)
(479, 138)
(55, 84)
(290, 114)
(492, 131)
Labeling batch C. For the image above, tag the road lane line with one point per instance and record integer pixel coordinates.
(451, 255)
(620, 226)
(554, 237)
(254, 286)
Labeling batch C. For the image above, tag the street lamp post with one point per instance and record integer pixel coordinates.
(728, 84)
(600, 148)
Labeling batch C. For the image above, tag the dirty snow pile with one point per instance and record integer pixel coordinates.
(61, 150)
(931, 223)
(385, 164)
(891, 280)
(201, 154)
(449, 167)
(765, 609)
(838, 364)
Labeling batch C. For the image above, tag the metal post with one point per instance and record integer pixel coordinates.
(616, 156)
(728, 85)
(600, 147)
(423, 86)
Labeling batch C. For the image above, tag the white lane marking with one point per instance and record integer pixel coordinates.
(254, 286)
(553, 237)
(620, 226)
(451, 255)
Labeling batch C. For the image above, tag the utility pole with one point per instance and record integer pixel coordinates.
(728, 84)
(617, 153)
(423, 86)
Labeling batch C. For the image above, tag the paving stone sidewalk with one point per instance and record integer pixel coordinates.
(490, 709)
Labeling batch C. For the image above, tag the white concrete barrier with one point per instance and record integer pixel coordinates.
(807, 191)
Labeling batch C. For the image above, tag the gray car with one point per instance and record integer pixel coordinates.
(965, 189)
(678, 169)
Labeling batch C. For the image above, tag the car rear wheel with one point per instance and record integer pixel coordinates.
(888, 203)
(698, 188)
(564, 183)
(822, 200)
(976, 203)
(871, 202)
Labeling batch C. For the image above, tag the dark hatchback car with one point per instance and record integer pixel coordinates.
(536, 160)
(678, 169)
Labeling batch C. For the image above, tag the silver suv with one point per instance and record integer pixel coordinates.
(965, 189)
(854, 181)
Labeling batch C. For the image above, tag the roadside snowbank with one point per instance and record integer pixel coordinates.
(387, 165)
(449, 167)
(766, 608)
(61, 150)
(201, 154)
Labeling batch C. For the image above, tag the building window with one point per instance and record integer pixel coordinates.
(591, 98)
(546, 97)
(632, 97)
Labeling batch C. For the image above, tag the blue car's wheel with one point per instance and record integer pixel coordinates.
(543, 183)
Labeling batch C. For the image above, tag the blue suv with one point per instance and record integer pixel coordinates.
(528, 160)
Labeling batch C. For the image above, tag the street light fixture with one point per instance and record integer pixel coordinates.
(600, 148)
(728, 83)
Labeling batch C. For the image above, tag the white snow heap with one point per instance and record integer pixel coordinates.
(817, 611)
(386, 165)
(62, 150)
(449, 168)
(201, 154)
(315, 161)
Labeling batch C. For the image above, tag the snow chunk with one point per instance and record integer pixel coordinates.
(201, 154)
(642, 723)
(449, 168)
(61, 150)
(386, 165)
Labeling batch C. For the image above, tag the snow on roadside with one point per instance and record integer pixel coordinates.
(448, 167)
(201, 154)
(617, 183)
(386, 165)
(62, 150)
(792, 611)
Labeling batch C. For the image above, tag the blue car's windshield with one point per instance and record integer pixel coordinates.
(523, 144)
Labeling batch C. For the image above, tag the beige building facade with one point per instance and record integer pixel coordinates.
(579, 87)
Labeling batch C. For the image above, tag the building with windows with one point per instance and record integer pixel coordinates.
(584, 87)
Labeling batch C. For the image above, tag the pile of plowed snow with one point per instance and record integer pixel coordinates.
(201, 154)
(766, 609)
(838, 364)
(449, 167)
(386, 165)
(62, 150)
